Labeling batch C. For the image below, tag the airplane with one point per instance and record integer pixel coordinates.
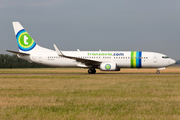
(104, 60)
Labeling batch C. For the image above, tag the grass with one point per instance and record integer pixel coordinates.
(30, 94)
(78, 70)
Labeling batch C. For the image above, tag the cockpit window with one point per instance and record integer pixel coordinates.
(165, 57)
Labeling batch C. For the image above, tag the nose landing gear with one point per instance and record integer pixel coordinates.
(92, 71)
(157, 72)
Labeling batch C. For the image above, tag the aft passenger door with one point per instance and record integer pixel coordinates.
(40, 58)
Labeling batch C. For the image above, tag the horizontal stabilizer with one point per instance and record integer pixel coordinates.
(15, 52)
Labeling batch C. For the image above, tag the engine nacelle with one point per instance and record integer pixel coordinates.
(109, 67)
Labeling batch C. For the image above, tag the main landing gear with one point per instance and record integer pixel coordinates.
(92, 71)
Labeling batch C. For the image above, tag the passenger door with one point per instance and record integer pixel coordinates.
(155, 58)
(40, 58)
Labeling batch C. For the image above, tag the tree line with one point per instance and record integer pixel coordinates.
(12, 61)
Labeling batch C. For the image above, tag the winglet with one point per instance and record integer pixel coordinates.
(58, 51)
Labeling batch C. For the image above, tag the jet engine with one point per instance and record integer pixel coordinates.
(109, 67)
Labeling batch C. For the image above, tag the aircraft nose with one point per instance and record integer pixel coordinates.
(173, 61)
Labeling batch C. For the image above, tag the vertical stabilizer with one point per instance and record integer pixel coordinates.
(24, 40)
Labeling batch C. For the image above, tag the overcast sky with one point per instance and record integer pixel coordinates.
(132, 25)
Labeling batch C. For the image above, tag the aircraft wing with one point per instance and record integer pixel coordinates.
(88, 62)
(15, 52)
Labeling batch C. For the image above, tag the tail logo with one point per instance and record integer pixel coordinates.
(25, 42)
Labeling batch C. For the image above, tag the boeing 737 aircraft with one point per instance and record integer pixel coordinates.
(104, 60)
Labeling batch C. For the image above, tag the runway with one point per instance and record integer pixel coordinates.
(131, 74)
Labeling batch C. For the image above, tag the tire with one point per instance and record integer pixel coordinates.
(157, 72)
(90, 71)
(94, 71)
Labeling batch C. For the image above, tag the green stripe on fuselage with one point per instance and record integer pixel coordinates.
(133, 59)
(136, 59)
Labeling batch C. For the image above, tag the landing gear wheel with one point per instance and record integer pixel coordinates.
(92, 71)
(89, 71)
(157, 71)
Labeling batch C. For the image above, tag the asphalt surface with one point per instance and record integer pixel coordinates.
(142, 74)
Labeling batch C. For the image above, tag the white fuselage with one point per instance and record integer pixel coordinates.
(123, 59)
